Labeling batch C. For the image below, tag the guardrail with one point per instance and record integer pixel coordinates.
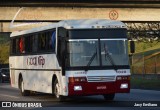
(146, 62)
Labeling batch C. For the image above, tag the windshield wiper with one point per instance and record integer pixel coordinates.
(90, 61)
(109, 58)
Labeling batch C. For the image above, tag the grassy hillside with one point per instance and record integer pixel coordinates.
(4, 47)
(4, 53)
(4, 38)
(148, 82)
(146, 64)
(147, 58)
(146, 46)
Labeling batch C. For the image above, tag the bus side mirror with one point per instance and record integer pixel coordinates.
(132, 46)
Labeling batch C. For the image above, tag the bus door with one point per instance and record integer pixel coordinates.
(61, 48)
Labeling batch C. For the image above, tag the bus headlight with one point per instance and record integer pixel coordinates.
(123, 77)
(124, 86)
(77, 88)
(77, 79)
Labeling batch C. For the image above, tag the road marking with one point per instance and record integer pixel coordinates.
(9, 96)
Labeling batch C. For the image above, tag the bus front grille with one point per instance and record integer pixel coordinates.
(101, 78)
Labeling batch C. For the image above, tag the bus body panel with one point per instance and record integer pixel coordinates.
(100, 73)
(99, 82)
(37, 71)
(100, 88)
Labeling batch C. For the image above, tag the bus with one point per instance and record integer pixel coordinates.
(71, 58)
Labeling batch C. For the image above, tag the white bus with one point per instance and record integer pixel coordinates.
(71, 58)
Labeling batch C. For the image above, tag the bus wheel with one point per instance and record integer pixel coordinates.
(23, 91)
(57, 91)
(109, 97)
(32, 93)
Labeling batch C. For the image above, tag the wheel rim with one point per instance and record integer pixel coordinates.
(57, 90)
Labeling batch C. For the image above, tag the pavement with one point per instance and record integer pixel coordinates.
(126, 101)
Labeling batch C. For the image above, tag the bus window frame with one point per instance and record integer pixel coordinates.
(51, 51)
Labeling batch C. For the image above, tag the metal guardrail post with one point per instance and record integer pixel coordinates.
(155, 64)
(144, 70)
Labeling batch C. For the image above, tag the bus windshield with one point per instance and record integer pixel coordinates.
(99, 51)
(81, 52)
(116, 51)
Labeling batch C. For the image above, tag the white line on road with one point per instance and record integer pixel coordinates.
(9, 96)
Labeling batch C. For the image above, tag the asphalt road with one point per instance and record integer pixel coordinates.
(121, 101)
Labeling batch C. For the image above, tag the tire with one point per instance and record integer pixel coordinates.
(56, 91)
(109, 97)
(32, 93)
(23, 91)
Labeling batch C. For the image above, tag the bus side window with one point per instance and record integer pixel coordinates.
(28, 44)
(17, 45)
(42, 41)
(35, 43)
(21, 45)
(13, 48)
(52, 40)
(49, 41)
(46, 41)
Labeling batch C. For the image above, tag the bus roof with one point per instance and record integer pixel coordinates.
(75, 24)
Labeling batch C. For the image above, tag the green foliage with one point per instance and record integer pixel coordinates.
(146, 46)
(147, 58)
(4, 38)
(146, 65)
(145, 83)
(4, 53)
(4, 47)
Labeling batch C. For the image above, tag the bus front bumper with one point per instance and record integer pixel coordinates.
(98, 88)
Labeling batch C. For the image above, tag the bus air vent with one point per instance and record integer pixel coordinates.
(101, 78)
